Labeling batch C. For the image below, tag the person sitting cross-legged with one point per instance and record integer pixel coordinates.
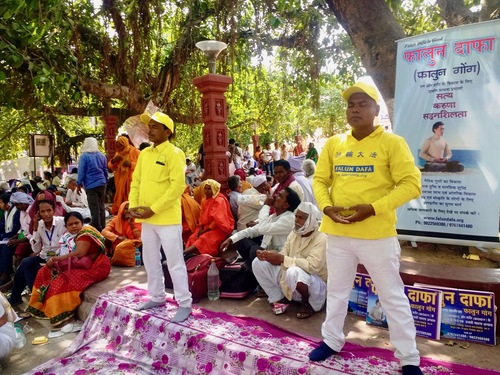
(298, 272)
(123, 236)
(216, 222)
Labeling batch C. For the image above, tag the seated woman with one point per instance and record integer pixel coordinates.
(45, 195)
(190, 214)
(56, 292)
(7, 332)
(216, 222)
(123, 236)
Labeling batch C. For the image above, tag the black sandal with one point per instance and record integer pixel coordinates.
(306, 311)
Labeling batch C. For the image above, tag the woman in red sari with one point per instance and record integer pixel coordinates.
(123, 165)
(63, 288)
(216, 222)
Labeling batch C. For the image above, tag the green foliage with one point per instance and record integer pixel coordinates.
(416, 16)
(68, 132)
(288, 59)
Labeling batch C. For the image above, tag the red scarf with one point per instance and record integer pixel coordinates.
(281, 187)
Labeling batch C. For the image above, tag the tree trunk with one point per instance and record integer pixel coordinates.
(455, 13)
(373, 31)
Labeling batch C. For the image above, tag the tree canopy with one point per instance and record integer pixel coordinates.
(63, 60)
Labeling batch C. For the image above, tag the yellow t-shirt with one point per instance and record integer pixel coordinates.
(378, 170)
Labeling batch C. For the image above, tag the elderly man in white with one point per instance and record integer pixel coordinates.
(298, 272)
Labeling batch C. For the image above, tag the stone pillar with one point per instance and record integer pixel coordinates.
(215, 134)
(110, 130)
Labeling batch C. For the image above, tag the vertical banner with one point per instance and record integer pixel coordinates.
(447, 108)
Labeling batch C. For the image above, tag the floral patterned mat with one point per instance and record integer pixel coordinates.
(116, 339)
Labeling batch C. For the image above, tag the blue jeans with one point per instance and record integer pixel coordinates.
(269, 168)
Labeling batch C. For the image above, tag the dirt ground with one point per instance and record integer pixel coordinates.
(448, 255)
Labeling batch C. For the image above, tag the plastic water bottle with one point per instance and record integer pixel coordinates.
(27, 329)
(138, 262)
(21, 235)
(213, 281)
(20, 337)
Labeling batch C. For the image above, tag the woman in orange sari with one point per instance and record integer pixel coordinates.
(190, 214)
(216, 222)
(123, 236)
(123, 165)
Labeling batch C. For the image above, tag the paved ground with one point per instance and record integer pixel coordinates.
(25, 359)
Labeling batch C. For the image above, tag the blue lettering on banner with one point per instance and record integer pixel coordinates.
(354, 168)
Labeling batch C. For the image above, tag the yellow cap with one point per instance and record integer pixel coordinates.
(160, 117)
(363, 87)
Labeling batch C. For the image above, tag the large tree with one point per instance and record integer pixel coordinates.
(375, 25)
(288, 58)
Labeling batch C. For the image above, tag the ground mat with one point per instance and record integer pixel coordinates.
(116, 339)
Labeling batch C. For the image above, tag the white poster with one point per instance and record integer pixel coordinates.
(447, 108)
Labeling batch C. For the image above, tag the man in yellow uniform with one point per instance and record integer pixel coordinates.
(155, 201)
(362, 176)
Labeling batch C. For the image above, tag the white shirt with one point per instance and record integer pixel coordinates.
(77, 200)
(249, 205)
(267, 156)
(274, 228)
(44, 240)
(276, 154)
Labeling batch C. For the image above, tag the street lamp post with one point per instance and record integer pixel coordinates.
(213, 86)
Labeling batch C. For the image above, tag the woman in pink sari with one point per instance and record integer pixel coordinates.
(216, 222)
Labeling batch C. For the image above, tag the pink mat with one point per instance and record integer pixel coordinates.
(116, 339)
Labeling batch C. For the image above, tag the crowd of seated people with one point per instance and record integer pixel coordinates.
(44, 228)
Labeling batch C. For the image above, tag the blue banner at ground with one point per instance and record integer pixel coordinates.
(425, 304)
(467, 314)
(359, 294)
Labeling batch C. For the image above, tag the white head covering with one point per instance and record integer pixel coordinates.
(20, 197)
(296, 163)
(312, 222)
(258, 180)
(89, 145)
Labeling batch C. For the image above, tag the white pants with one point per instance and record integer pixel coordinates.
(170, 237)
(381, 259)
(7, 339)
(269, 277)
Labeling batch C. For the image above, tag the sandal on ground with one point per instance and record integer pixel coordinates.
(260, 293)
(280, 308)
(306, 311)
(55, 334)
(75, 326)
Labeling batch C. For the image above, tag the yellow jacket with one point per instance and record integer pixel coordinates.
(158, 182)
(378, 170)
